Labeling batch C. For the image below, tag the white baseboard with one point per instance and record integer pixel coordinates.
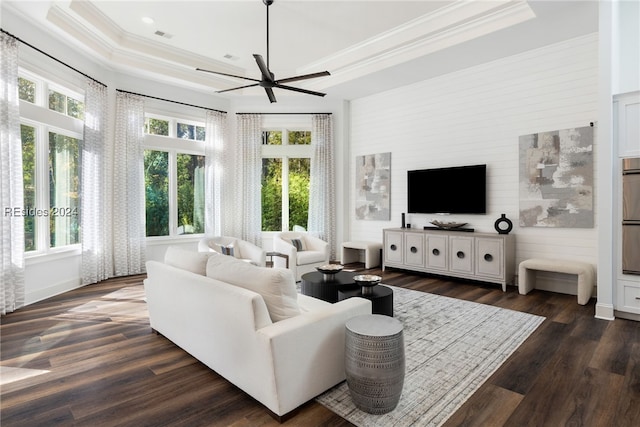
(628, 316)
(51, 291)
(604, 311)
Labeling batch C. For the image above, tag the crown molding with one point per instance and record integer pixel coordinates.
(109, 42)
(443, 28)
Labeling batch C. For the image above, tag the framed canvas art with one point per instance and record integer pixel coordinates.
(373, 186)
(556, 179)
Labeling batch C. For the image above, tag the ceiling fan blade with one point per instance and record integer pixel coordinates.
(270, 94)
(297, 89)
(266, 74)
(304, 77)
(228, 75)
(236, 88)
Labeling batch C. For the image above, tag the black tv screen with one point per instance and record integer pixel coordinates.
(454, 190)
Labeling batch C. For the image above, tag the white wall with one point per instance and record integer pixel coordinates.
(625, 46)
(476, 116)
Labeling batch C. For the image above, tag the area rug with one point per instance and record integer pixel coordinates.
(451, 347)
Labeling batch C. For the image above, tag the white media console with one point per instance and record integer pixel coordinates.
(485, 257)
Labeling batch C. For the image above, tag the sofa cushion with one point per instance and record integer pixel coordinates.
(195, 262)
(277, 286)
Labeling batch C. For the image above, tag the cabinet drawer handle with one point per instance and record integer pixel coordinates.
(413, 249)
(394, 247)
(460, 254)
(488, 257)
(436, 252)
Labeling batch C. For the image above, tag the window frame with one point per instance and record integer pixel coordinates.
(173, 145)
(37, 115)
(286, 152)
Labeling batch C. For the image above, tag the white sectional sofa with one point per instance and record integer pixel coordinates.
(280, 347)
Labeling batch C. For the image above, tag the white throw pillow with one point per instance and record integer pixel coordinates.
(195, 262)
(277, 286)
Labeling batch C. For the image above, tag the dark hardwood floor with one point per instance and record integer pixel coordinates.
(89, 358)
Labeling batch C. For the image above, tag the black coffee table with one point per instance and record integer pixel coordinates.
(381, 298)
(315, 285)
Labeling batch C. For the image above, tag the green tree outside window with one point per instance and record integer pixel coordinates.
(28, 136)
(156, 180)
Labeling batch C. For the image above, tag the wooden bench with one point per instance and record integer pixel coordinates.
(585, 272)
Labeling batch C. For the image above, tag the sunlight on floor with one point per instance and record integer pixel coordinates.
(9, 374)
(124, 305)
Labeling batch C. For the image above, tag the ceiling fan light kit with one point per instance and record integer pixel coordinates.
(268, 80)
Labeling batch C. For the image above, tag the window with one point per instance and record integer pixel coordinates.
(174, 176)
(286, 167)
(156, 182)
(50, 164)
(187, 131)
(28, 136)
(26, 90)
(271, 194)
(64, 188)
(154, 126)
(66, 104)
(190, 193)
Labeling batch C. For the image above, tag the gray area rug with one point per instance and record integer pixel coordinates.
(451, 347)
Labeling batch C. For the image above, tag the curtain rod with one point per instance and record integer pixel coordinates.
(55, 59)
(169, 100)
(283, 114)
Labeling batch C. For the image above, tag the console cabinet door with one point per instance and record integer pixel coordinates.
(437, 252)
(393, 246)
(461, 254)
(489, 257)
(414, 249)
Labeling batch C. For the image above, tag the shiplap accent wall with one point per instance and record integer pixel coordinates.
(475, 116)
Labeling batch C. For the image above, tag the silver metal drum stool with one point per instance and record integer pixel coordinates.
(374, 362)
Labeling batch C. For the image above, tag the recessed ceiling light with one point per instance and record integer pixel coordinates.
(147, 20)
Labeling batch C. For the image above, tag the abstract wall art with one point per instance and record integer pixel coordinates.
(373, 186)
(556, 179)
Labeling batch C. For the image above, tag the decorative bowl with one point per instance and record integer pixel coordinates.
(367, 282)
(448, 225)
(329, 271)
(330, 268)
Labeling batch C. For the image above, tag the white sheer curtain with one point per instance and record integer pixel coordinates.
(216, 131)
(322, 199)
(95, 222)
(249, 165)
(11, 186)
(129, 247)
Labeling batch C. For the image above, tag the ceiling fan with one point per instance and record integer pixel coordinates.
(268, 81)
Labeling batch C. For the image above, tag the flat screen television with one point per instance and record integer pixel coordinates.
(452, 190)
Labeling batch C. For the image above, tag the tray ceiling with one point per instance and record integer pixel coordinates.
(368, 46)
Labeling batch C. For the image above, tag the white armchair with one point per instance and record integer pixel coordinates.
(314, 252)
(241, 249)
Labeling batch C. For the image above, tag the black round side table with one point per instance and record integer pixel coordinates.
(381, 298)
